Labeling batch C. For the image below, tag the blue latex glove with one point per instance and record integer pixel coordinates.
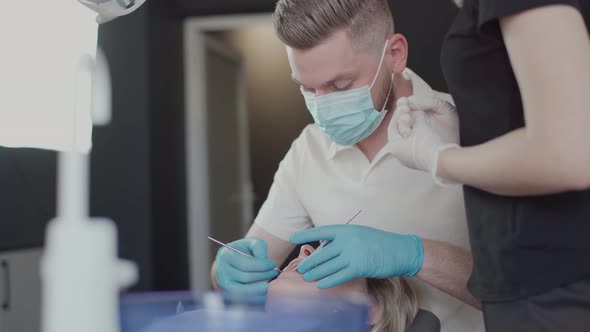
(236, 272)
(358, 251)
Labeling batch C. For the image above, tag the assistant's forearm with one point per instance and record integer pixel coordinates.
(512, 165)
(447, 267)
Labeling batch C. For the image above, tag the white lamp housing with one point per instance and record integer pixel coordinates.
(81, 273)
(80, 270)
(110, 9)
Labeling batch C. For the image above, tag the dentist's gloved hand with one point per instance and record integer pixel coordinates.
(358, 251)
(236, 272)
(423, 127)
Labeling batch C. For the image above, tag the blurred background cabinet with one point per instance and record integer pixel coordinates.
(20, 293)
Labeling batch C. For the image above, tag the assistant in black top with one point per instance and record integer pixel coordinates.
(521, 246)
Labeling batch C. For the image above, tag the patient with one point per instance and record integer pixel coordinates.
(395, 305)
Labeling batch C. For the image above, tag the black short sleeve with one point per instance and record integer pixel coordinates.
(490, 10)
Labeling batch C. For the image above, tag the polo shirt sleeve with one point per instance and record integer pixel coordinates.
(490, 10)
(283, 214)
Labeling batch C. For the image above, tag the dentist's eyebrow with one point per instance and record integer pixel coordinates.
(340, 77)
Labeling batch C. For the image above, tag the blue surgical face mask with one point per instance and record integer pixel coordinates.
(347, 117)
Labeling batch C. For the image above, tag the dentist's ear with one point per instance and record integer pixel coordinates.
(397, 53)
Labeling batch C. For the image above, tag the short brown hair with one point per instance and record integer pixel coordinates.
(303, 24)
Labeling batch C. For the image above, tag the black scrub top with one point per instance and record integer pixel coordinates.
(425, 321)
(521, 246)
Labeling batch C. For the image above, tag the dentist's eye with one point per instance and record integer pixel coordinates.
(342, 87)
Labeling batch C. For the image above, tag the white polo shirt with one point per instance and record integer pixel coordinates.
(321, 183)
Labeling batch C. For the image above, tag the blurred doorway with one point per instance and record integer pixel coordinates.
(266, 114)
(220, 196)
(230, 193)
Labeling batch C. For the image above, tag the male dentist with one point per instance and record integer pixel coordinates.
(351, 68)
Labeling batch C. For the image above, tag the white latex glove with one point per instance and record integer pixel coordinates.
(423, 127)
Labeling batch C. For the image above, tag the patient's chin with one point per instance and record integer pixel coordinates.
(292, 283)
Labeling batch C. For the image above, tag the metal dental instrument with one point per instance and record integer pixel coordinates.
(323, 243)
(236, 250)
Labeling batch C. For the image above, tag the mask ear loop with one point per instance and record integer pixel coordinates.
(384, 111)
(380, 64)
(388, 94)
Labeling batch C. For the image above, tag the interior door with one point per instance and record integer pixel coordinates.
(227, 143)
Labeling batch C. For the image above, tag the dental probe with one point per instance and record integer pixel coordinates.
(236, 250)
(324, 242)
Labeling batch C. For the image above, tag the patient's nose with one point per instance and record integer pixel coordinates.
(305, 251)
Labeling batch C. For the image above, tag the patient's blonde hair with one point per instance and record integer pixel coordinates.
(396, 300)
(303, 24)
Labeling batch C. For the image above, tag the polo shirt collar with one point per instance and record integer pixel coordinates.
(336, 148)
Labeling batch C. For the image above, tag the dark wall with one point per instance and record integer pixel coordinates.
(27, 196)
(424, 23)
(201, 8)
(120, 175)
(142, 151)
(167, 142)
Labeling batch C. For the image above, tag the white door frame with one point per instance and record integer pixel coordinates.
(195, 43)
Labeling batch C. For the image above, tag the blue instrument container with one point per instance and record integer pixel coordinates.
(225, 312)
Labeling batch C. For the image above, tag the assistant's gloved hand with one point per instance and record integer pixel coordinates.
(423, 127)
(236, 272)
(358, 251)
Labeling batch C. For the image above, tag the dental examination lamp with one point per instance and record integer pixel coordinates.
(108, 10)
(80, 270)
